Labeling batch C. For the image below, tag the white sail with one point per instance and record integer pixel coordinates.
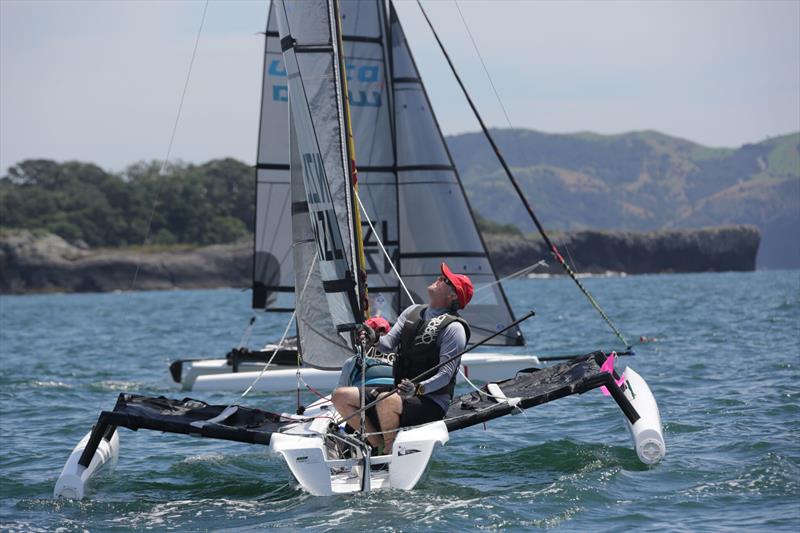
(308, 33)
(366, 56)
(273, 275)
(365, 44)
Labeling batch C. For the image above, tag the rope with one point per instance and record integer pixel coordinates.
(380, 243)
(483, 392)
(514, 275)
(248, 331)
(483, 63)
(171, 141)
(313, 390)
(285, 331)
(274, 352)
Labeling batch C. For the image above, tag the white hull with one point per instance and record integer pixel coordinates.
(316, 465)
(317, 469)
(74, 477)
(647, 433)
(217, 375)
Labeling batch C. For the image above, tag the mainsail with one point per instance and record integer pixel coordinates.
(436, 222)
(407, 181)
(320, 158)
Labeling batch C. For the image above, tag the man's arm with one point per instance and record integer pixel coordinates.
(388, 343)
(452, 342)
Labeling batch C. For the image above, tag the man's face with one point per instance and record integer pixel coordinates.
(441, 293)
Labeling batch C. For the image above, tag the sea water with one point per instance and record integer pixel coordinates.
(724, 368)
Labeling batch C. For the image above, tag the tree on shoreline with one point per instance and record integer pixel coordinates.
(204, 204)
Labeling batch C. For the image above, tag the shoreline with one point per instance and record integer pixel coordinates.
(42, 263)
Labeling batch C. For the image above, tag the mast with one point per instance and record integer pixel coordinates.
(359, 259)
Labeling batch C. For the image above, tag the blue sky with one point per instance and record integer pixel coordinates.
(100, 81)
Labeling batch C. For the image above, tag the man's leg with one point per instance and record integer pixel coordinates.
(389, 411)
(347, 401)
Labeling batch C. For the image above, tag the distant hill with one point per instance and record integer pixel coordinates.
(639, 181)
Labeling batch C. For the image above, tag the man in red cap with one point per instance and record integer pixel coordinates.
(423, 337)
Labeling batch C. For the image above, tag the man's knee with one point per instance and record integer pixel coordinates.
(344, 395)
(392, 405)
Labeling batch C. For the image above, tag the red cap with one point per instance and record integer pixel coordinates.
(377, 323)
(461, 284)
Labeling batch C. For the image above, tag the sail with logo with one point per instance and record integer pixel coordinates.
(408, 183)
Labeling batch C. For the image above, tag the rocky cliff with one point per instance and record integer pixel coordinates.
(43, 262)
(704, 250)
(32, 262)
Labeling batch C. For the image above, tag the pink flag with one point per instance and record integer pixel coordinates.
(608, 366)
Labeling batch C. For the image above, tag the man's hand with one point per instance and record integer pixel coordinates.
(367, 335)
(406, 389)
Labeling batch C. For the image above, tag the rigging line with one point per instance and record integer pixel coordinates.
(171, 139)
(285, 331)
(247, 332)
(483, 63)
(571, 260)
(380, 243)
(517, 188)
(513, 275)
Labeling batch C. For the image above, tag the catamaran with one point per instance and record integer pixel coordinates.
(331, 297)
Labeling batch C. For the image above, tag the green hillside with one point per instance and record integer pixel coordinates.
(639, 181)
(635, 181)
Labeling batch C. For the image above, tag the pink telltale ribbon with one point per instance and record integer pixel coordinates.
(608, 366)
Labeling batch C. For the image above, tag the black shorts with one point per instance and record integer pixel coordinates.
(420, 410)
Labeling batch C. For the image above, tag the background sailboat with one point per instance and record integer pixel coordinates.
(410, 189)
